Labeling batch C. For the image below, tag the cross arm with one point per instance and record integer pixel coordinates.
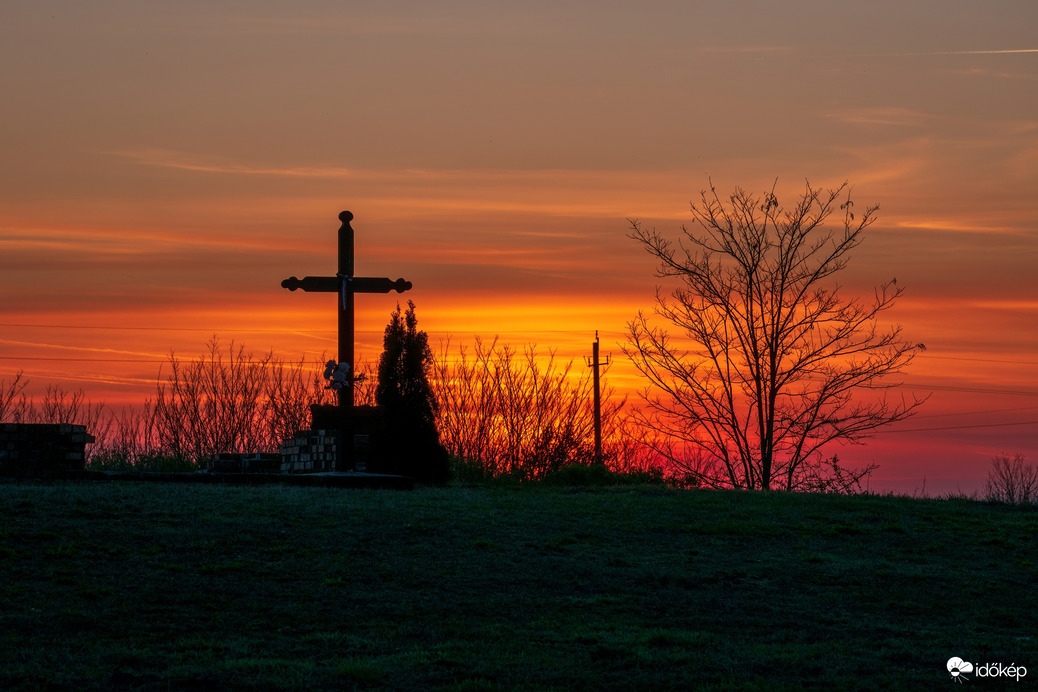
(358, 284)
(363, 284)
(320, 284)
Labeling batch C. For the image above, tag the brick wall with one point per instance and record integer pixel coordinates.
(310, 451)
(42, 449)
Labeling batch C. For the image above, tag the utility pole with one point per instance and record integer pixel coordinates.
(594, 363)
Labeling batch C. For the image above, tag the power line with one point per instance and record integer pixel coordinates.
(963, 427)
(84, 360)
(290, 361)
(159, 329)
(927, 356)
(970, 390)
(975, 413)
(287, 331)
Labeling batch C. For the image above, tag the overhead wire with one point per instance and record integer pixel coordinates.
(974, 413)
(957, 427)
(297, 331)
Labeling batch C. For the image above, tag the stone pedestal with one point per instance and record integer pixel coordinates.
(339, 439)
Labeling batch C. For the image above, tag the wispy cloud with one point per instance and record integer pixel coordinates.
(358, 23)
(976, 52)
(891, 115)
(35, 241)
(166, 158)
(80, 349)
(554, 192)
(745, 49)
(939, 53)
(944, 225)
(1025, 305)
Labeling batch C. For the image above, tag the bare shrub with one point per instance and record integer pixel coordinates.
(827, 475)
(60, 405)
(57, 405)
(290, 391)
(211, 405)
(129, 437)
(516, 412)
(1012, 481)
(365, 383)
(13, 401)
(628, 446)
(232, 401)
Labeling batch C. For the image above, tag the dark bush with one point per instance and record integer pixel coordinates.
(600, 475)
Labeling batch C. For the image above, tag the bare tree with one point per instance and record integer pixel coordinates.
(772, 359)
(1012, 481)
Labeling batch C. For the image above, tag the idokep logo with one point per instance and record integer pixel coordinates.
(958, 669)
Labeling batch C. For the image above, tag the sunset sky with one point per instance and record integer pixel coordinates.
(165, 165)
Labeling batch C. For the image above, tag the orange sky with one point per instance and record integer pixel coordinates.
(164, 168)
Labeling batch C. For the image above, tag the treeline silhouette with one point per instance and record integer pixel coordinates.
(501, 412)
(225, 400)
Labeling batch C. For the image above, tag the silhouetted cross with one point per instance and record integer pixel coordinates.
(346, 284)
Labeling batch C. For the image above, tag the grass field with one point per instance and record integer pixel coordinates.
(149, 586)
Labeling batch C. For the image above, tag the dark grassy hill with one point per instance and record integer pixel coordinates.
(150, 586)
